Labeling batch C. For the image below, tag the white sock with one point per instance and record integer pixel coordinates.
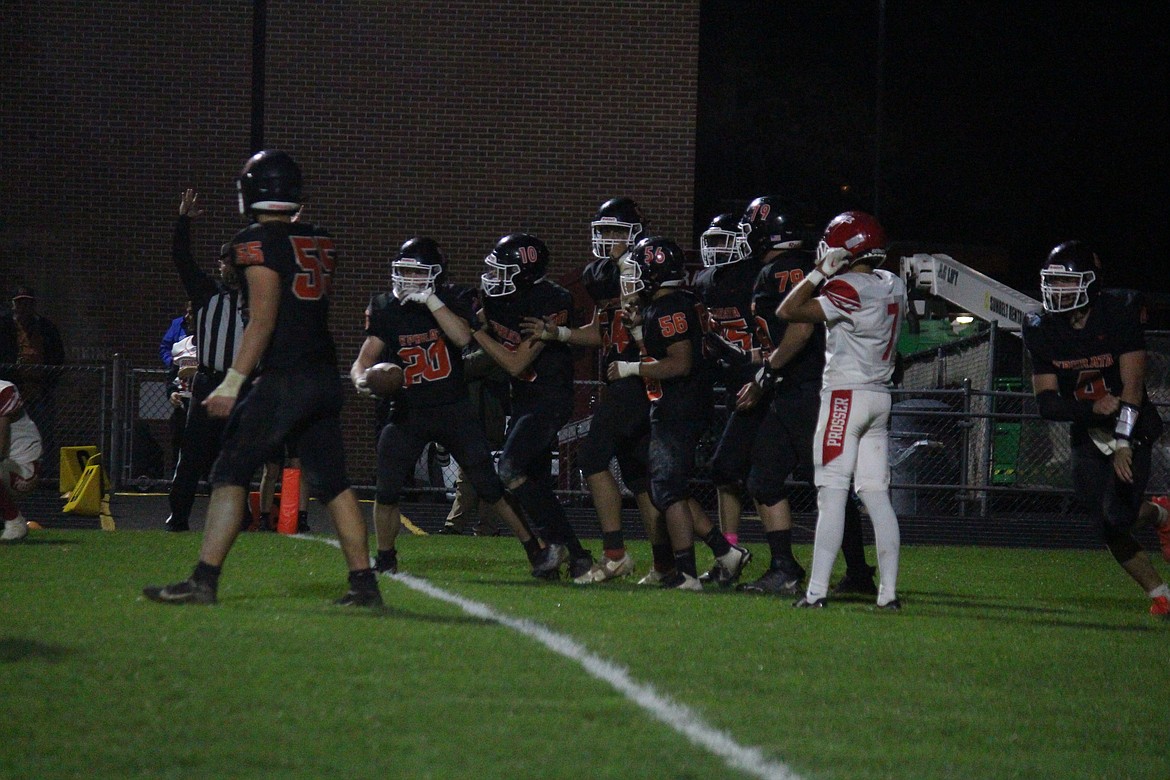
(1161, 590)
(827, 541)
(1162, 513)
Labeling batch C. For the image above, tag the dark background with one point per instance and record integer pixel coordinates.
(1005, 127)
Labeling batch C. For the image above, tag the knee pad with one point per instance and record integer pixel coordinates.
(766, 494)
(593, 456)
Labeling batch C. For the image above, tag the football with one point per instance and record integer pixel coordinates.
(384, 379)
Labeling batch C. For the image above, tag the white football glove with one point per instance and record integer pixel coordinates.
(427, 298)
(833, 261)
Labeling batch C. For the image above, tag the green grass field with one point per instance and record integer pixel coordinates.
(1003, 664)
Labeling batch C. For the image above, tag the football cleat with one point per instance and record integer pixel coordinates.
(609, 569)
(386, 562)
(777, 581)
(854, 584)
(14, 529)
(580, 565)
(549, 560)
(805, 603)
(1163, 502)
(681, 581)
(185, 592)
(654, 577)
(360, 598)
(1160, 607)
(893, 605)
(450, 529)
(729, 566)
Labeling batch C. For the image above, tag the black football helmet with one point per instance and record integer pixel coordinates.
(417, 268)
(518, 261)
(1070, 277)
(652, 264)
(720, 243)
(271, 183)
(614, 215)
(768, 223)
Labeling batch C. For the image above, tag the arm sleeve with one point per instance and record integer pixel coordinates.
(1054, 407)
(198, 284)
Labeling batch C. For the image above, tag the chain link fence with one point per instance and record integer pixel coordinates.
(971, 461)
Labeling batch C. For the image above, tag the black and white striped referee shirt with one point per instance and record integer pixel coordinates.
(219, 326)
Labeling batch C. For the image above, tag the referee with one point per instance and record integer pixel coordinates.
(219, 325)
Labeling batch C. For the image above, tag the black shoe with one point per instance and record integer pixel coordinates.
(486, 530)
(450, 529)
(177, 526)
(804, 603)
(853, 584)
(303, 523)
(580, 565)
(548, 561)
(386, 562)
(185, 592)
(777, 581)
(360, 598)
(890, 606)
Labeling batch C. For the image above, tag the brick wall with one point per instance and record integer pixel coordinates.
(462, 119)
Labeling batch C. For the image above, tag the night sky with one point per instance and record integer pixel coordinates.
(1007, 126)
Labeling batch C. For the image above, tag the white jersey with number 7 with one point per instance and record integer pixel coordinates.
(863, 313)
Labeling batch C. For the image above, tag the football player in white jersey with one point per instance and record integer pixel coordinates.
(20, 455)
(862, 307)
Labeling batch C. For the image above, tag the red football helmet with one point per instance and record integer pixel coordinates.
(858, 233)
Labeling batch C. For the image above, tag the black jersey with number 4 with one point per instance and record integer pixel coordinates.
(726, 291)
(305, 258)
(432, 365)
(666, 321)
(602, 281)
(1087, 361)
(552, 371)
(773, 283)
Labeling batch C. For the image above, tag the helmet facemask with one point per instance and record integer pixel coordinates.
(1063, 290)
(631, 279)
(608, 233)
(500, 280)
(722, 247)
(408, 276)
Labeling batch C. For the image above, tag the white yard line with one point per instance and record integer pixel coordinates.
(684, 720)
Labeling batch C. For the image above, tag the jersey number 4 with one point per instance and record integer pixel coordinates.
(316, 257)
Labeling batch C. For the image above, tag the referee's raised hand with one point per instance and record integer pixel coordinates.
(188, 206)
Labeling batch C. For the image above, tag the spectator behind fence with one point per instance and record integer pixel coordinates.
(31, 342)
(218, 326)
(180, 328)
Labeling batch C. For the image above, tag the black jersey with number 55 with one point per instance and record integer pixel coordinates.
(304, 256)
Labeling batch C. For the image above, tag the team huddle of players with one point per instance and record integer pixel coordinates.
(803, 341)
(666, 345)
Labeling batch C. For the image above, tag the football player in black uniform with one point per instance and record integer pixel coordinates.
(1088, 353)
(422, 325)
(794, 361)
(732, 260)
(515, 288)
(680, 401)
(620, 426)
(287, 270)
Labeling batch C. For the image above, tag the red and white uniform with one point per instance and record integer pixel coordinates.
(18, 467)
(863, 312)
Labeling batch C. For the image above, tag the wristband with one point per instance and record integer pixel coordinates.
(766, 378)
(815, 276)
(1126, 420)
(433, 302)
(230, 386)
(627, 368)
(562, 333)
(636, 332)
